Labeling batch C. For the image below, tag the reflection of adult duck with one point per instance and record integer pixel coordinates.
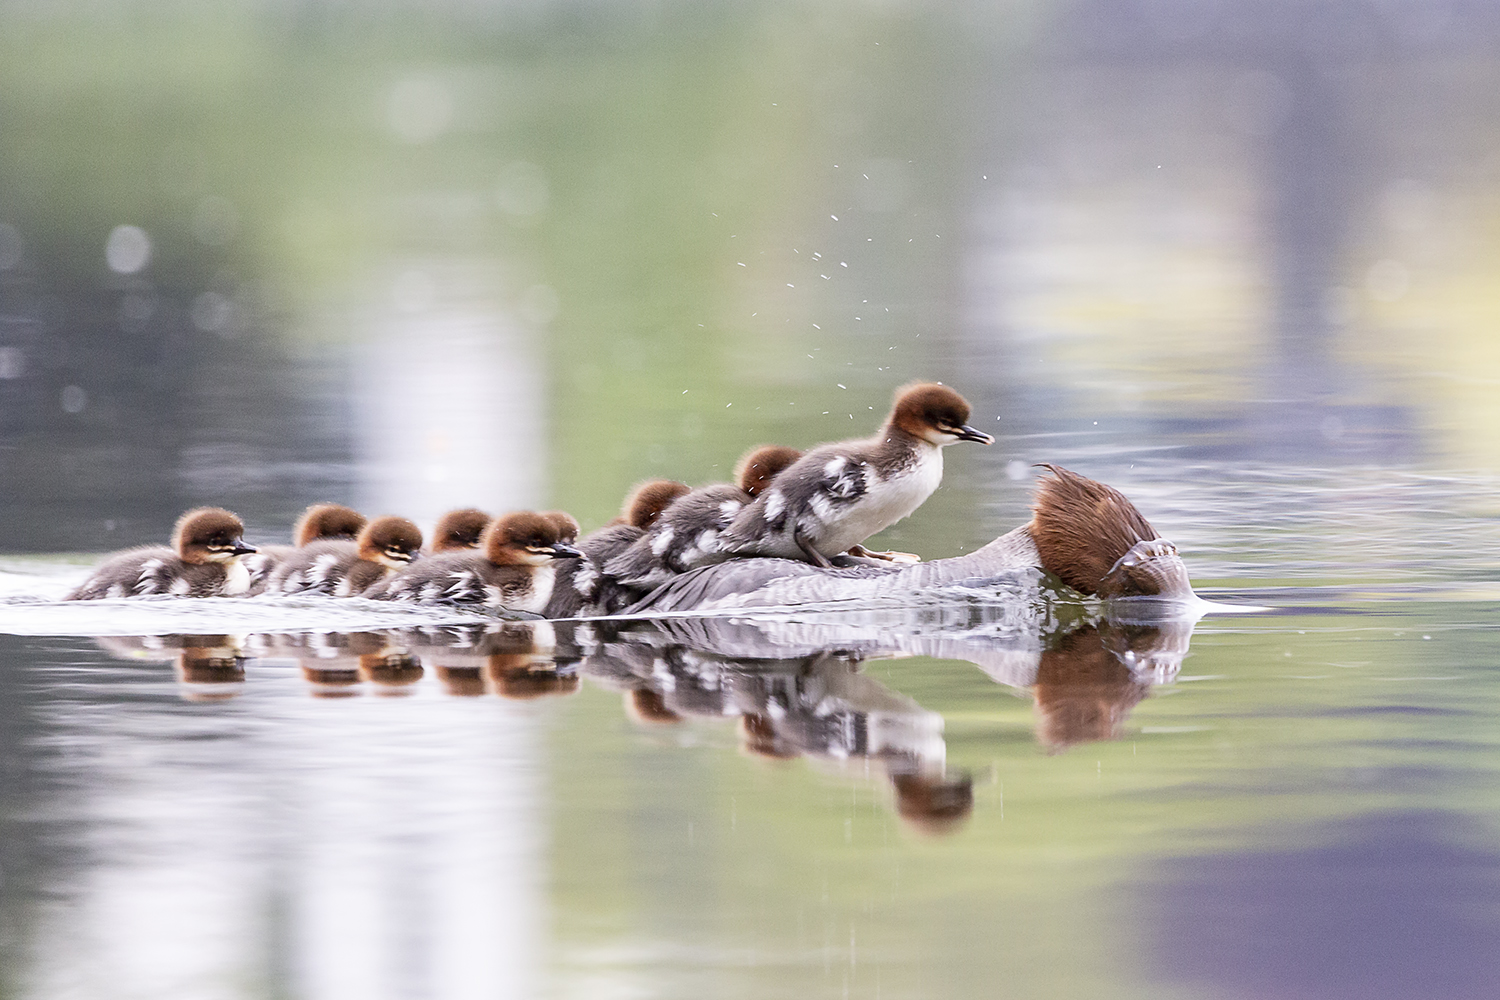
(790, 702)
(1083, 533)
(1089, 680)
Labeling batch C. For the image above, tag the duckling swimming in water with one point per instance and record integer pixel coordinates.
(319, 521)
(513, 570)
(346, 569)
(205, 560)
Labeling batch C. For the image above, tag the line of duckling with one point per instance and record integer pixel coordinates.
(816, 506)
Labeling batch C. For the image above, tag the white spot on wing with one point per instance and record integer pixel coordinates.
(775, 504)
(660, 542)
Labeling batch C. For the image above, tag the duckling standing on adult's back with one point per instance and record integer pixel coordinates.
(513, 570)
(347, 569)
(205, 560)
(581, 587)
(837, 495)
(687, 532)
(320, 521)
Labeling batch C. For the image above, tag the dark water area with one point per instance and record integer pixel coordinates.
(1235, 259)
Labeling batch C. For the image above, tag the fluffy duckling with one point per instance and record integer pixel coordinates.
(686, 533)
(758, 466)
(512, 571)
(347, 569)
(320, 521)
(580, 587)
(837, 495)
(205, 560)
(458, 530)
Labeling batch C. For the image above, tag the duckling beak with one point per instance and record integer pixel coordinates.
(242, 549)
(967, 433)
(563, 550)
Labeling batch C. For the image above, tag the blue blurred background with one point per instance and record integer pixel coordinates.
(1239, 257)
(424, 255)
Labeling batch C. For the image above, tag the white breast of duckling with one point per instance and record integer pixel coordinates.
(835, 526)
(236, 578)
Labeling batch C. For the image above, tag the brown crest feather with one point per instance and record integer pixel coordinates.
(1082, 528)
(646, 502)
(327, 520)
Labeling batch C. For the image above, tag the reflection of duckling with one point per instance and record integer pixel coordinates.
(647, 707)
(392, 672)
(837, 495)
(523, 677)
(459, 655)
(934, 805)
(347, 569)
(514, 571)
(320, 521)
(210, 672)
(204, 561)
(458, 530)
(210, 667)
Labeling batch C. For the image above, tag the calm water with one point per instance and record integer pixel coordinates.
(1235, 259)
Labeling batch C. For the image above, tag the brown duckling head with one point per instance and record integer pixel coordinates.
(934, 413)
(459, 530)
(758, 466)
(646, 502)
(327, 520)
(527, 538)
(210, 535)
(391, 541)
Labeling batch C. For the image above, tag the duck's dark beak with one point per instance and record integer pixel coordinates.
(562, 550)
(967, 433)
(241, 548)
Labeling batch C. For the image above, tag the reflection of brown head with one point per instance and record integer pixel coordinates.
(330, 682)
(213, 675)
(758, 736)
(522, 677)
(933, 805)
(393, 673)
(646, 706)
(1083, 692)
(460, 682)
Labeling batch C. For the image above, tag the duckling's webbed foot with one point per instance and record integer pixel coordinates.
(813, 555)
(897, 557)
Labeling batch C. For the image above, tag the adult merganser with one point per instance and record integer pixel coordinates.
(512, 571)
(580, 587)
(346, 569)
(686, 534)
(1083, 532)
(837, 495)
(458, 530)
(321, 520)
(203, 561)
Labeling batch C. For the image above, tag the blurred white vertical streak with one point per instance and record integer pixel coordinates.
(417, 854)
(370, 848)
(449, 397)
